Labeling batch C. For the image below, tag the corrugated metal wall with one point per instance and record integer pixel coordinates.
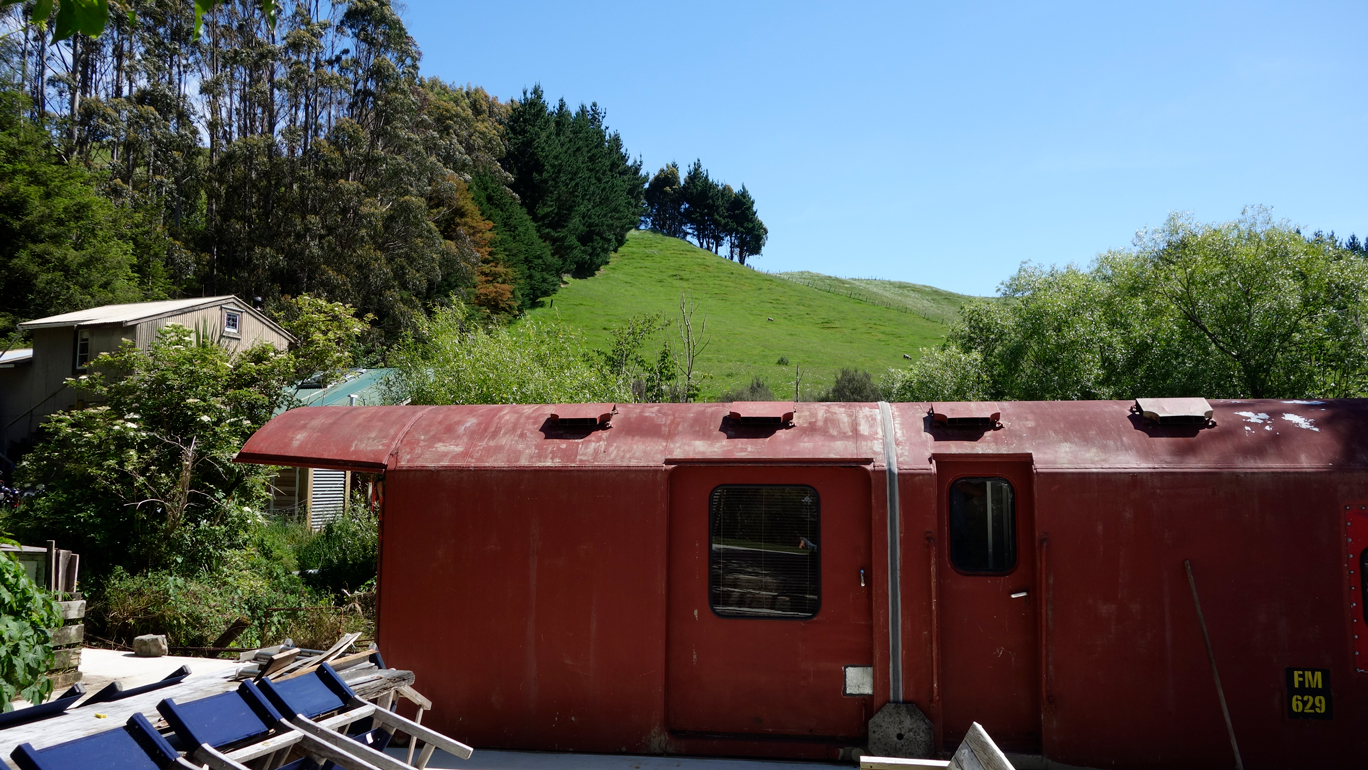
(328, 497)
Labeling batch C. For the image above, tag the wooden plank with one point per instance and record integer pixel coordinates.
(899, 763)
(73, 610)
(64, 679)
(232, 632)
(66, 635)
(977, 751)
(355, 659)
(301, 667)
(68, 658)
(280, 660)
(415, 697)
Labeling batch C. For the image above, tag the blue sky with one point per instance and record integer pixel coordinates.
(945, 146)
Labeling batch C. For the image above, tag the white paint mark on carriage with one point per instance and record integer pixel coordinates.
(1305, 423)
(1254, 417)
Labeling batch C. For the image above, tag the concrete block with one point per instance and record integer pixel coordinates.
(901, 730)
(149, 645)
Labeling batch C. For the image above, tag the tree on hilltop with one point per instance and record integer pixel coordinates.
(665, 202)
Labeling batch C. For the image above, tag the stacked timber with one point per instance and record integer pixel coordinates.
(66, 642)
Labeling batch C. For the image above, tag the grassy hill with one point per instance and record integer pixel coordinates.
(754, 318)
(928, 302)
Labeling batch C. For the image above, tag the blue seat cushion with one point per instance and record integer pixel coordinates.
(135, 746)
(220, 720)
(310, 695)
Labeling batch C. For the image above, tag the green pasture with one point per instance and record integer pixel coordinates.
(754, 318)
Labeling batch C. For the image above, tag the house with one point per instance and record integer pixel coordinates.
(317, 494)
(33, 380)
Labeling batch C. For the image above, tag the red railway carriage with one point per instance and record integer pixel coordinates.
(763, 579)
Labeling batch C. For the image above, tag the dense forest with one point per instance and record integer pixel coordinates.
(301, 152)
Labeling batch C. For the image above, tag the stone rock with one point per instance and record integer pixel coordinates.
(901, 730)
(149, 645)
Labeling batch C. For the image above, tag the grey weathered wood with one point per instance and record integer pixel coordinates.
(217, 760)
(66, 659)
(323, 747)
(280, 660)
(232, 632)
(978, 752)
(64, 679)
(65, 635)
(73, 610)
(425, 756)
(352, 748)
(899, 763)
(415, 697)
(430, 737)
(269, 746)
(304, 666)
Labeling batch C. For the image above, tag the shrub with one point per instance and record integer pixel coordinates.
(26, 614)
(852, 385)
(462, 362)
(757, 390)
(194, 610)
(343, 557)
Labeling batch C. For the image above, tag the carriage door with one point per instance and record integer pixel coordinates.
(989, 667)
(769, 614)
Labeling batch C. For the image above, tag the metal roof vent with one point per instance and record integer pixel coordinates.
(774, 413)
(583, 416)
(1175, 411)
(967, 414)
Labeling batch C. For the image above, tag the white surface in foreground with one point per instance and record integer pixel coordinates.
(101, 667)
(487, 759)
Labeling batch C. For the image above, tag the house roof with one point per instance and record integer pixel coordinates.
(19, 356)
(365, 384)
(138, 312)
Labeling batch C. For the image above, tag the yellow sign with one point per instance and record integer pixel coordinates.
(1308, 693)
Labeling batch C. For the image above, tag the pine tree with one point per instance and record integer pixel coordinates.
(746, 234)
(665, 202)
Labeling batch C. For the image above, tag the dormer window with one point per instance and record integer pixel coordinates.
(232, 322)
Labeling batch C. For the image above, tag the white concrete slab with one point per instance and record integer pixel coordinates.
(487, 759)
(101, 667)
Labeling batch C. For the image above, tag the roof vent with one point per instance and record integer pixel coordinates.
(1175, 411)
(774, 413)
(584, 416)
(967, 414)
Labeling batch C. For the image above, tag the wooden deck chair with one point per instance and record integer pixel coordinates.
(135, 746)
(115, 691)
(52, 708)
(227, 730)
(305, 698)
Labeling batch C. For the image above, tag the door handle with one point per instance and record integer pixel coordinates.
(862, 582)
(1020, 594)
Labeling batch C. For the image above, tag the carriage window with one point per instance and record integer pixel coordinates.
(982, 525)
(764, 560)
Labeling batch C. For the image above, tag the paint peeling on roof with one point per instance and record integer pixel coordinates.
(1307, 403)
(1305, 423)
(1254, 417)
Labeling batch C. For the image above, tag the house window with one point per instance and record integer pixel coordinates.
(232, 320)
(82, 349)
(982, 525)
(763, 559)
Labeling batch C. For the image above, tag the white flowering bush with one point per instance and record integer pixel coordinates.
(145, 479)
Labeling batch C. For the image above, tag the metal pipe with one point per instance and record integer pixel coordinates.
(1044, 621)
(1220, 693)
